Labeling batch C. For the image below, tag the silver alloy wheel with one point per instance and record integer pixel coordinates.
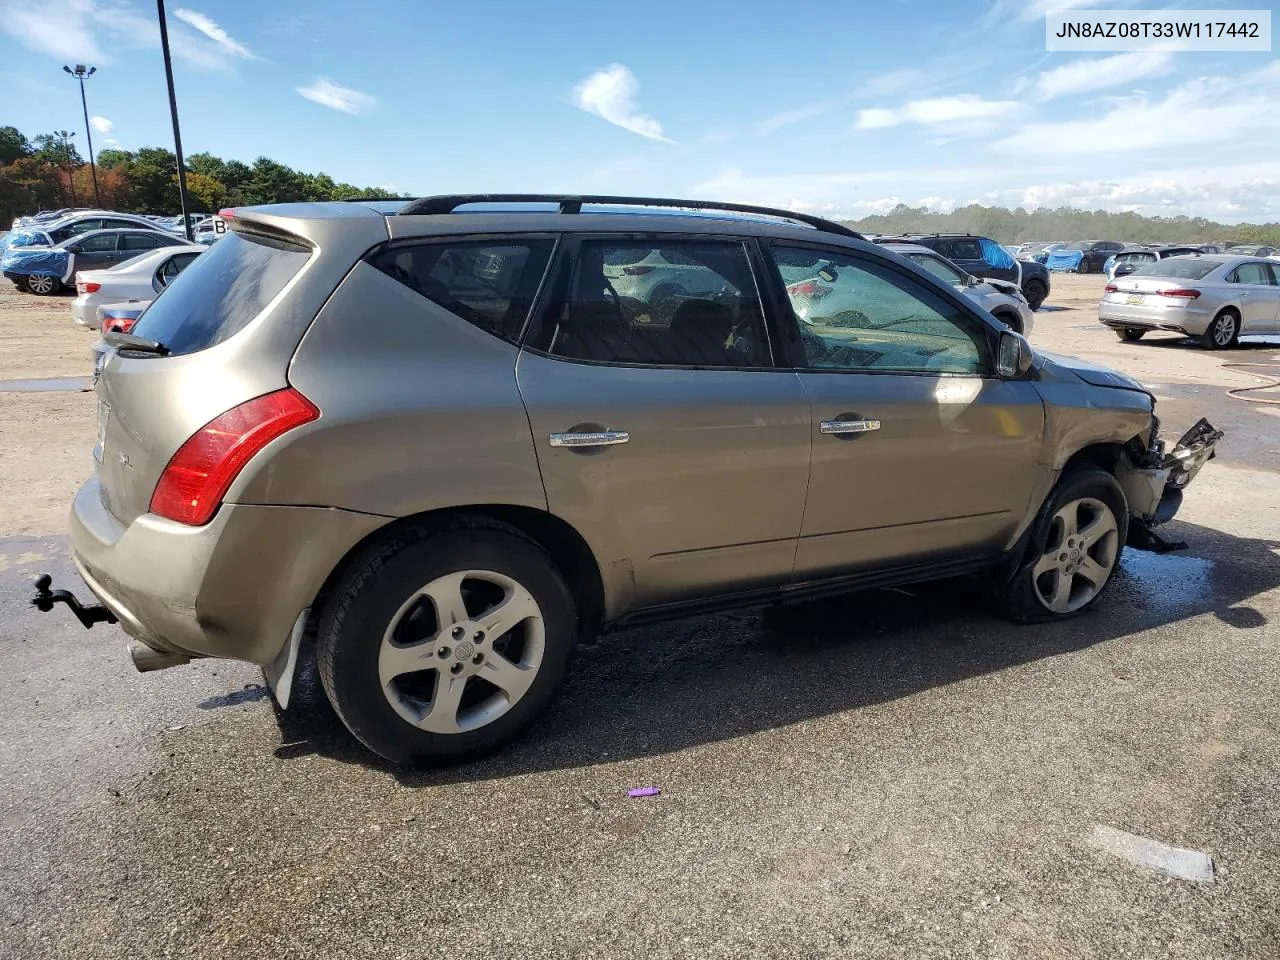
(39, 283)
(1079, 557)
(465, 647)
(1224, 329)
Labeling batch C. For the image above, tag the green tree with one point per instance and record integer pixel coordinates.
(113, 158)
(13, 145)
(207, 195)
(51, 148)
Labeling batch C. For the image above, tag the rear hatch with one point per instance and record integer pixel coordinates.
(227, 327)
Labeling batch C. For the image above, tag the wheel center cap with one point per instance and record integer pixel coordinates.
(464, 650)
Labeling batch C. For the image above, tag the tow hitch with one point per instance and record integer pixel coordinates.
(87, 614)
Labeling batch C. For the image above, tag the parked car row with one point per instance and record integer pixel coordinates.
(985, 259)
(43, 255)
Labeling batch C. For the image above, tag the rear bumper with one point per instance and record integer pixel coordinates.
(233, 588)
(83, 312)
(1188, 320)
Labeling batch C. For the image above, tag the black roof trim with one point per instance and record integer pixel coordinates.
(572, 204)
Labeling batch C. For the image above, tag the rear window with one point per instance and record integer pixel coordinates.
(221, 292)
(1182, 269)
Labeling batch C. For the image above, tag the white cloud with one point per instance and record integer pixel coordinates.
(103, 32)
(963, 108)
(611, 94)
(215, 33)
(101, 124)
(325, 92)
(1213, 113)
(1031, 10)
(1080, 76)
(787, 118)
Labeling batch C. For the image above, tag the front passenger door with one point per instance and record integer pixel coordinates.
(1258, 295)
(94, 252)
(920, 453)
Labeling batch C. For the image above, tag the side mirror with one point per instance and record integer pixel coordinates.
(1014, 356)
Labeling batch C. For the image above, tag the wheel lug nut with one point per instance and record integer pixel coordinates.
(478, 659)
(479, 637)
(442, 652)
(459, 632)
(456, 668)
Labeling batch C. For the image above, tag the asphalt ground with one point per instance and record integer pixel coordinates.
(890, 774)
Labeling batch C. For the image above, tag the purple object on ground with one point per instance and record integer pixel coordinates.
(643, 792)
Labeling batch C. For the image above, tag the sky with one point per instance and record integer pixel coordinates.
(842, 109)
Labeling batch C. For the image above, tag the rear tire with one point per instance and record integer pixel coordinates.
(1223, 332)
(1131, 334)
(1073, 552)
(403, 651)
(1035, 293)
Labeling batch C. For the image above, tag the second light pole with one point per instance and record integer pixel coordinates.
(83, 73)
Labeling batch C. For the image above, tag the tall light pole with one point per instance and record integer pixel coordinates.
(65, 136)
(83, 73)
(177, 134)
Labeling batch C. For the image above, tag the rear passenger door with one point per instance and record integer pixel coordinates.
(665, 434)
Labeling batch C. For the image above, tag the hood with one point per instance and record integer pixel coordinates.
(1004, 286)
(35, 260)
(1093, 374)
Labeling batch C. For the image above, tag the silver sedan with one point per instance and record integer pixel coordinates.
(1216, 298)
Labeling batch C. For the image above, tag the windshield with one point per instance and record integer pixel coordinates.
(1183, 268)
(938, 267)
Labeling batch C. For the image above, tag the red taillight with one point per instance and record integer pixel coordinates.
(90, 287)
(227, 214)
(808, 288)
(1180, 292)
(197, 477)
(1110, 288)
(636, 271)
(118, 324)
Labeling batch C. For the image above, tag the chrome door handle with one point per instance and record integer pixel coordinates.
(849, 426)
(602, 438)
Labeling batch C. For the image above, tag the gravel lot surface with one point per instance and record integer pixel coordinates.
(891, 774)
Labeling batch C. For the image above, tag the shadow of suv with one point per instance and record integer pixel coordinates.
(440, 442)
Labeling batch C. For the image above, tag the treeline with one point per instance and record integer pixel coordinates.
(46, 173)
(1065, 224)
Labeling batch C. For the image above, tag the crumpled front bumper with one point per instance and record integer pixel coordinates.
(1154, 486)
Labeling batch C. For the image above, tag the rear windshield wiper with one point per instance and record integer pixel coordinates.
(128, 343)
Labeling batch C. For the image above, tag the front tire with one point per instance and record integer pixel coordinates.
(42, 285)
(1074, 550)
(1035, 293)
(1223, 332)
(443, 644)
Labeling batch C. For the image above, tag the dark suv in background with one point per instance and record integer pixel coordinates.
(983, 257)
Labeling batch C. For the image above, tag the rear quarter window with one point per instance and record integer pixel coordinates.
(220, 292)
(488, 283)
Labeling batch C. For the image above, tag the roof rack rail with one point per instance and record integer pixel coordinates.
(572, 204)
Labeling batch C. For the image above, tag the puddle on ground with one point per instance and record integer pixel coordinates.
(49, 384)
(1170, 579)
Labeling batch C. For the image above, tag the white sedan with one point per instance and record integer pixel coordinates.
(139, 279)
